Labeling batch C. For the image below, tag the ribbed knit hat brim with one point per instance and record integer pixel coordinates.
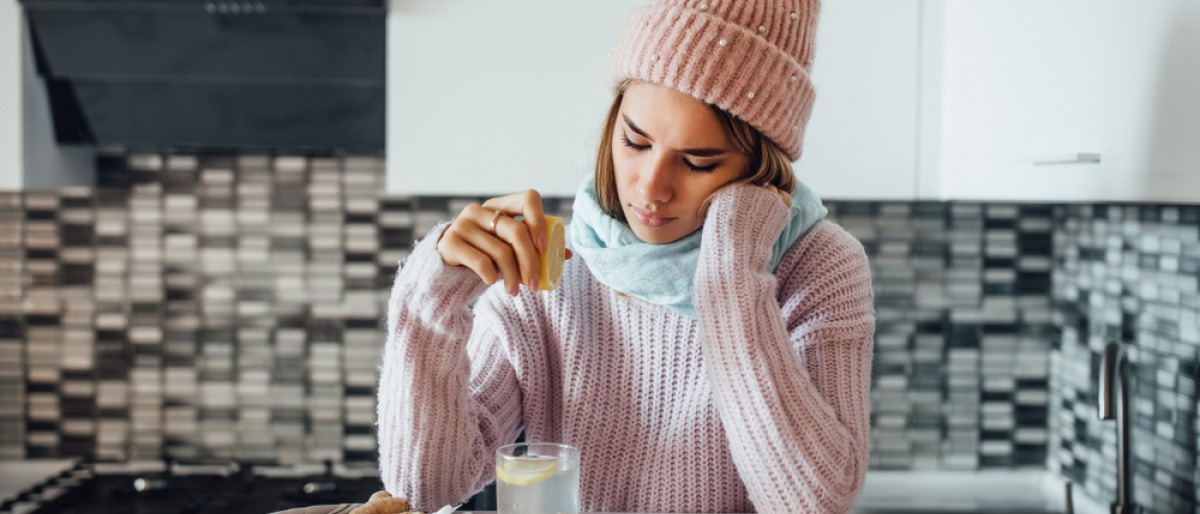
(741, 71)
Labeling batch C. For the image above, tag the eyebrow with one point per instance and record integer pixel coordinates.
(698, 152)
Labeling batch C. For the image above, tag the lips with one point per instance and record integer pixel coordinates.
(650, 218)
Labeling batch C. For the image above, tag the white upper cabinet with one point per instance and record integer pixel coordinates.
(1068, 100)
(493, 97)
(861, 141)
(1007, 100)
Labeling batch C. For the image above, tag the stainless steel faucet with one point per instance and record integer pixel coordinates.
(1114, 380)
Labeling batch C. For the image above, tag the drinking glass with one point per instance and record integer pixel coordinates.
(537, 478)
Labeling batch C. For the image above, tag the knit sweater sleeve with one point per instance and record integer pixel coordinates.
(448, 396)
(788, 356)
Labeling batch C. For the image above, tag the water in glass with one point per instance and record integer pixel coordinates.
(537, 479)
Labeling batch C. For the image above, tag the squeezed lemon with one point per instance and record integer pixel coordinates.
(551, 268)
(526, 470)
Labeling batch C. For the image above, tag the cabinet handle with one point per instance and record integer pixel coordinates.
(1079, 158)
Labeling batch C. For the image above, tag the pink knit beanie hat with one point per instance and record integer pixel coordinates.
(751, 58)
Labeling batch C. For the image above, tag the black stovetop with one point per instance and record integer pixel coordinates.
(86, 489)
(232, 488)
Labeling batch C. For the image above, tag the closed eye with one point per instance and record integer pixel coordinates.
(692, 166)
(636, 147)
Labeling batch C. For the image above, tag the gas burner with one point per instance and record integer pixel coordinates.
(149, 485)
(319, 488)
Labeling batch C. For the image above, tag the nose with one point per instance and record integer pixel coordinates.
(655, 183)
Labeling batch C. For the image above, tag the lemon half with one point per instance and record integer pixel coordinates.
(526, 470)
(556, 252)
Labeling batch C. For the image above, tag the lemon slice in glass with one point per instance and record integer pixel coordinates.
(526, 470)
(556, 252)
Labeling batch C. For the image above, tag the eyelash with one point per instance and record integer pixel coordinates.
(693, 167)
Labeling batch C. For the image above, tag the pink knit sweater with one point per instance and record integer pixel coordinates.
(760, 404)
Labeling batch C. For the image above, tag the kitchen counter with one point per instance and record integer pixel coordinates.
(17, 475)
(885, 492)
(1022, 491)
(983, 492)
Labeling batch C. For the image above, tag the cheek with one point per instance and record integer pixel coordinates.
(623, 167)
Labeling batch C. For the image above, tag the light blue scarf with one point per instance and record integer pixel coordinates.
(662, 274)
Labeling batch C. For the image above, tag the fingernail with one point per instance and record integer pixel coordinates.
(533, 282)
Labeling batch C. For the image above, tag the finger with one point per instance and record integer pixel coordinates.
(481, 216)
(517, 235)
(501, 255)
(477, 260)
(527, 204)
(449, 243)
(473, 218)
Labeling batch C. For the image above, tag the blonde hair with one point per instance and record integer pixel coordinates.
(768, 164)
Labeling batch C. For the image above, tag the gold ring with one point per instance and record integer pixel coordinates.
(492, 225)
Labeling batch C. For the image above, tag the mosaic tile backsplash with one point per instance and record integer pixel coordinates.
(1128, 274)
(219, 307)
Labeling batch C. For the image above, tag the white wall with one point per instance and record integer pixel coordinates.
(1169, 153)
(497, 96)
(30, 158)
(11, 149)
(861, 142)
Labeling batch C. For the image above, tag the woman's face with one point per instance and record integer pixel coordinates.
(669, 154)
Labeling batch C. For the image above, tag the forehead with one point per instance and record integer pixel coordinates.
(663, 112)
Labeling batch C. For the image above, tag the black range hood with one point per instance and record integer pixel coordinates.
(290, 75)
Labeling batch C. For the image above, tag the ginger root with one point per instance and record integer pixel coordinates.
(382, 502)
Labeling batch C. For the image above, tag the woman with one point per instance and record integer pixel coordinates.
(709, 346)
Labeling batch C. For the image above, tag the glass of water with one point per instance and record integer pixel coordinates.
(537, 478)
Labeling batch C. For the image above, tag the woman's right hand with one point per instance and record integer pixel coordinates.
(490, 241)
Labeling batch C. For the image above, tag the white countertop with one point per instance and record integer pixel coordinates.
(16, 475)
(970, 491)
(960, 492)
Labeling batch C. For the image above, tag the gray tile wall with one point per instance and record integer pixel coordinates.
(964, 332)
(1128, 273)
(12, 344)
(200, 308)
(231, 306)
